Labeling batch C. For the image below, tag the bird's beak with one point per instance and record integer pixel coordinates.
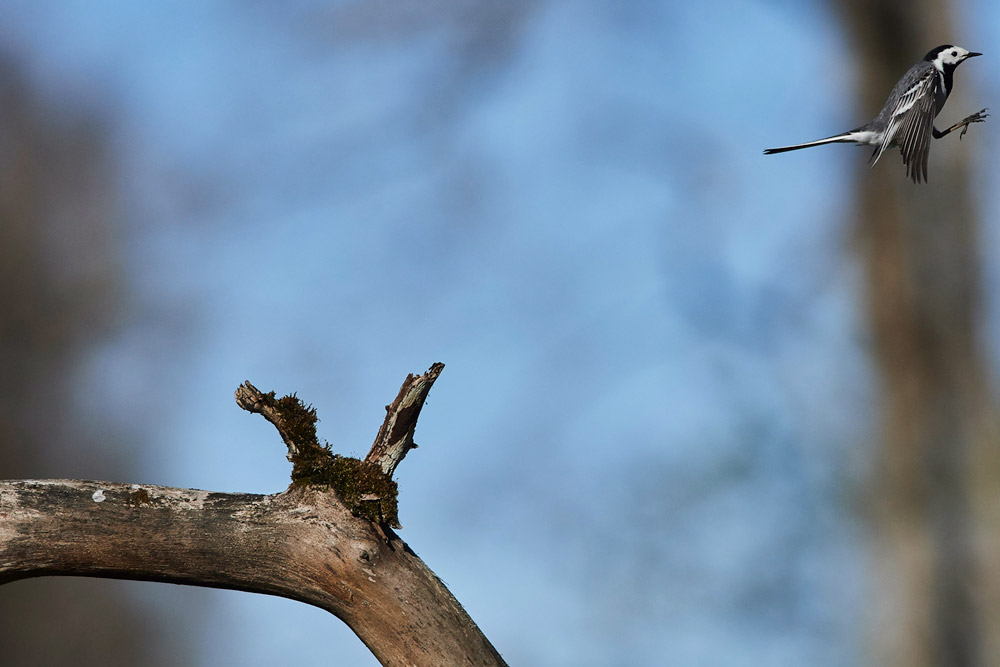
(972, 54)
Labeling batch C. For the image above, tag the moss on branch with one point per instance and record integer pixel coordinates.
(362, 486)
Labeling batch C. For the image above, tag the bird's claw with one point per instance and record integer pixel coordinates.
(978, 117)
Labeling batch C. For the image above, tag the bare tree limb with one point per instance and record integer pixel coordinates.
(296, 428)
(395, 438)
(304, 543)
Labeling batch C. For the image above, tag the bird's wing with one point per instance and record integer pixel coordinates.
(910, 124)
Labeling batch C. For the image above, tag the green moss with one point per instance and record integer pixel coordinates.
(363, 487)
(311, 458)
(297, 424)
(300, 419)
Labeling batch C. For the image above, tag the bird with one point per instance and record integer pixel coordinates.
(907, 119)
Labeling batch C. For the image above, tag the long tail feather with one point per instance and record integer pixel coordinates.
(845, 137)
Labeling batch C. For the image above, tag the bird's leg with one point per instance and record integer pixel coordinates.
(978, 117)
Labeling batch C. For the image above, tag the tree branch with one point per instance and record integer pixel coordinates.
(296, 428)
(395, 437)
(304, 544)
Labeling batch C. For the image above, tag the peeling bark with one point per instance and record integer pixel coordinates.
(395, 438)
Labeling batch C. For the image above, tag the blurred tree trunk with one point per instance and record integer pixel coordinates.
(935, 491)
(60, 293)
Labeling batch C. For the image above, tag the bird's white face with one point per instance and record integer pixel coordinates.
(952, 56)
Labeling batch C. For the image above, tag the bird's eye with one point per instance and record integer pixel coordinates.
(954, 54)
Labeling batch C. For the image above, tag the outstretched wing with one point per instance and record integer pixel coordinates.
(911, 125)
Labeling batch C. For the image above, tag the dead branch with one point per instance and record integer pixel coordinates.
(304, 543)
(395, 437)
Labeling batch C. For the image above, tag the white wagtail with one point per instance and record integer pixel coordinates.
(907, 119)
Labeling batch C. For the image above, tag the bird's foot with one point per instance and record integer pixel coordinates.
(978, 117)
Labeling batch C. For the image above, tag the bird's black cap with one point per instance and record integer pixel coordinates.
(933, 53)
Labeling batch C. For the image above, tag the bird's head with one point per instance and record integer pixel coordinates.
(948, 56)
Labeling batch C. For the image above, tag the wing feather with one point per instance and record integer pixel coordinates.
(910, 124)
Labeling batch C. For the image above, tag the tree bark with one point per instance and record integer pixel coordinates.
(304, 544)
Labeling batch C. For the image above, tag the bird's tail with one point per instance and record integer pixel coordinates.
(842, 138)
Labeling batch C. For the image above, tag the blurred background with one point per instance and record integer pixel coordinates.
(701, 407)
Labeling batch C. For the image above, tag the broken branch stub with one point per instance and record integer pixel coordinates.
(295, 422)
(395, 437)
(365, 487)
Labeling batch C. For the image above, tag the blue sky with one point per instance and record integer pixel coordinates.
(637, 453)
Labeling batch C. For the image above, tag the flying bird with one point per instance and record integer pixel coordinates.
(907, 119)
